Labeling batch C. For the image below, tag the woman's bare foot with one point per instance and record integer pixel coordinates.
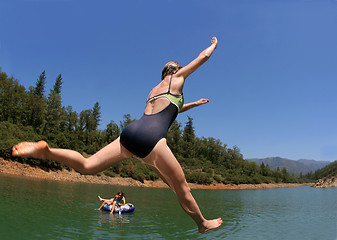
(30, 149)
(210, 224)
(99, 197)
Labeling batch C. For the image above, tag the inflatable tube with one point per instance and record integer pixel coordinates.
(127, 208)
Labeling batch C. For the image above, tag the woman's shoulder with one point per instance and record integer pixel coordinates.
(177, 83)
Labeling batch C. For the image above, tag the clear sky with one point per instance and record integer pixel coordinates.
(271, 82)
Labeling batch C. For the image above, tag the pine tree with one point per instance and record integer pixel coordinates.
(126, 121)
(96, 115)
(111, 132)
(40, 85)
(12, 100)
(174, 138)
(188, 139)
(52, 122)
(71, 123)
(189, 134)
(37, 102)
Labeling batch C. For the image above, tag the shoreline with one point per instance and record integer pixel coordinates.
(19, 169)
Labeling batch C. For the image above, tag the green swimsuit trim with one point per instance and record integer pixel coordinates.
(177, 100)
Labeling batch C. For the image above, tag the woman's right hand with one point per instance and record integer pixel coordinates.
(214, 41)
(196, 63)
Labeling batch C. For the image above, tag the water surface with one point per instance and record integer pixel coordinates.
(40, 209)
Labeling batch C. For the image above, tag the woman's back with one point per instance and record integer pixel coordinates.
(158, 100)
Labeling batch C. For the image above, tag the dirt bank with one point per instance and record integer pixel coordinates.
(16, 168)
(326, 182)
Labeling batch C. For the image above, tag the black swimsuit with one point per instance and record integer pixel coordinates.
(141, 136)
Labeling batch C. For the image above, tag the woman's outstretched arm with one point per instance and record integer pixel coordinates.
(191, 105)
(196, 63)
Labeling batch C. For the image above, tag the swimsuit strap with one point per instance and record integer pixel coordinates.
(168, 91)
(177, 100)
(163, 94)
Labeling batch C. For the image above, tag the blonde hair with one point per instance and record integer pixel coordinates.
(170, 68)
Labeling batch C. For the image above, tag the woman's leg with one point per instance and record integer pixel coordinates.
(101, 206)
(113, 207)
(163, 161)
(101, 160)
(106, 202)
(103, 199)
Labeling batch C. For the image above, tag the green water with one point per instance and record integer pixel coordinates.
(39, 209)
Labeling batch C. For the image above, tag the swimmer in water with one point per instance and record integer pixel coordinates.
(144, 138)
(118, 200)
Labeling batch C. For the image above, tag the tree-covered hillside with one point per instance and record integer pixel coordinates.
(299, 167)
(326, 172)
(31, 115)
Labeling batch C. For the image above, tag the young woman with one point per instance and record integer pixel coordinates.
(144, 138)
(118, 200)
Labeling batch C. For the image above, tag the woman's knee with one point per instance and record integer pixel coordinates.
(86, 167)
(181, 187)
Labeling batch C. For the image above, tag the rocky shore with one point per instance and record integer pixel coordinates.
(16, 168)
(325, 182)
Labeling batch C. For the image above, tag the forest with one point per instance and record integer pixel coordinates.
(32, 114)
(325, 172)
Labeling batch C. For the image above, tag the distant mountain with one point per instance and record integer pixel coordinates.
(293, 166)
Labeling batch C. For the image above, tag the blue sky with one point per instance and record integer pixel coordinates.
(271, 82)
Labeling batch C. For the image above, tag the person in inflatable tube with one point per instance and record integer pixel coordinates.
(118, 200)
(144, 138)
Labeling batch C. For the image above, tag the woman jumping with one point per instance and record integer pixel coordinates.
(144, 138)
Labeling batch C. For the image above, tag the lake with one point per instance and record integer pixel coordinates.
(40, 209)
